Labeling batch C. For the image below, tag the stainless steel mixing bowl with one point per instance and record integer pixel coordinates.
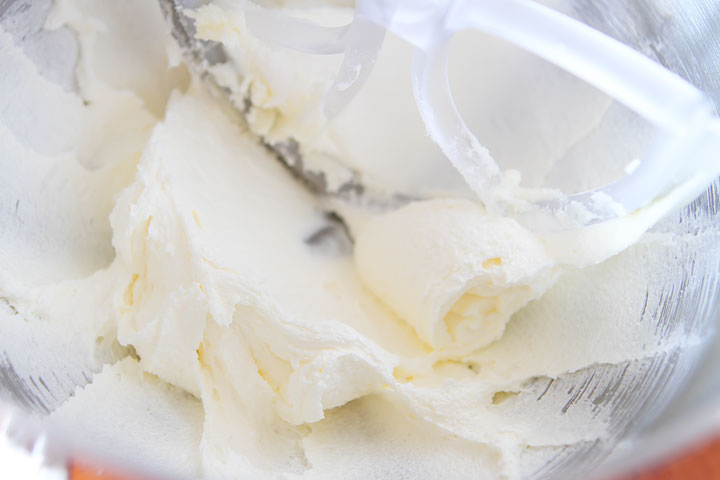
(654, 406)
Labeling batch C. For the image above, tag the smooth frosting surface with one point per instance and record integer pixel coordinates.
(452, 270)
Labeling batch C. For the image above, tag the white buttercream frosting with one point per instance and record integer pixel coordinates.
(400, 358)
(453, 271)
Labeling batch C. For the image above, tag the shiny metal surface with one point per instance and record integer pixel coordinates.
(657, 403)
(682, 36)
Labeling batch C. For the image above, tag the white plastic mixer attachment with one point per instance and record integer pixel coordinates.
(359, 42)
(687, 148)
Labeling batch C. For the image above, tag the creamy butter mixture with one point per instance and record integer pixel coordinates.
(245, 335)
